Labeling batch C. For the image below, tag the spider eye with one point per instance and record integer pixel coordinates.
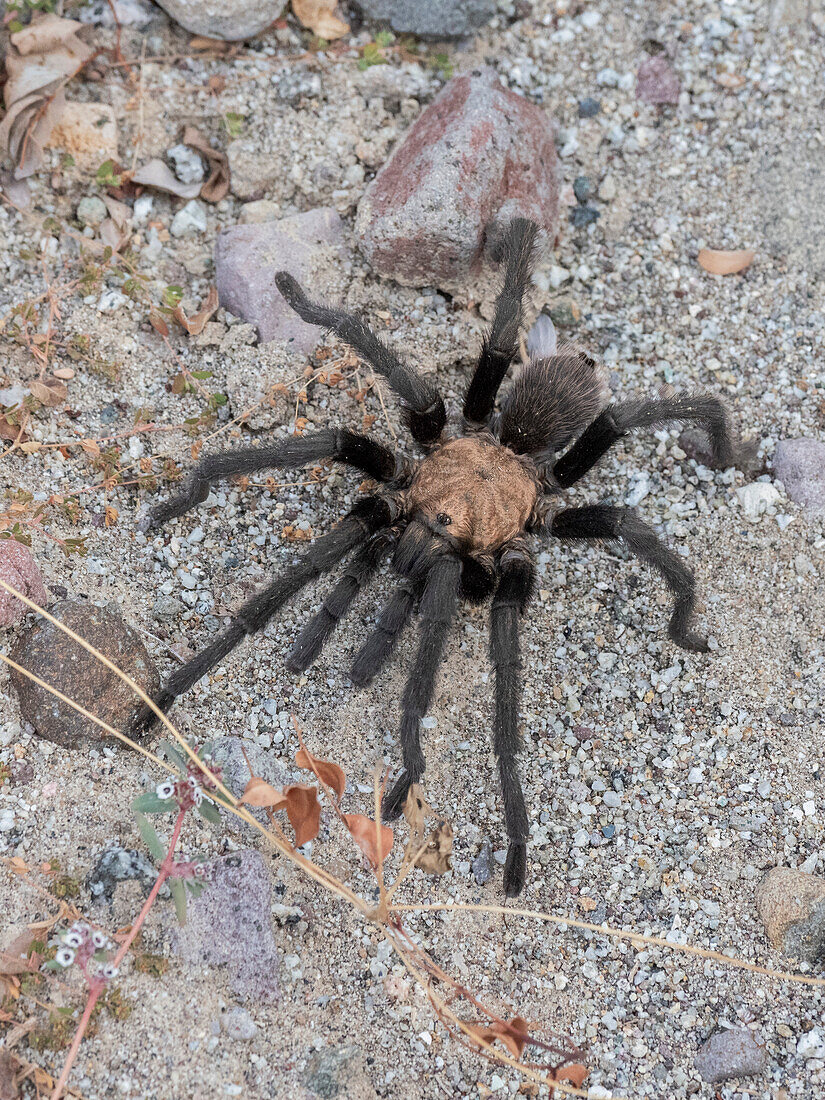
(443, 519)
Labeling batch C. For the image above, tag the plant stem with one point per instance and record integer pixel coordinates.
(96, 986)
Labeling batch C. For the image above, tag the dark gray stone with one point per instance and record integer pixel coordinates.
(430, 18)
(733, 1053)
(800, 466)
(589, 107)
(483, 864)
(229, 924)
(326, 1074)
(116, 865)
(247, 258)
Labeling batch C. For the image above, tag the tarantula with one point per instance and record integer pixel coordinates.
(458, 521)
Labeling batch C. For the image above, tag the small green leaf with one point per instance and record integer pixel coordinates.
(201, 374)
(171, 752)
(172, 295)
(150, 837)
(385, 38)
(149, 803)
(53, 964)
(220, 398)
(179, 894)
(209, 812)
(194, 888)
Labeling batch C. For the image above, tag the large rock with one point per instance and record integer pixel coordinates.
(229, 924)
(431, 18)
(58, 660)
(231, 20)
(18, 568)
(247, 257)
(732, 1053)
(478, 156)
(800, 466)
(792, 907)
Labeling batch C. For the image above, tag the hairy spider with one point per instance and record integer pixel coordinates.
(460, 520)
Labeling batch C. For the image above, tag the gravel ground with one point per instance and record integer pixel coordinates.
(662, 784)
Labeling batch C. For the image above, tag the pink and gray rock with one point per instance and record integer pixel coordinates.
(478, 156)
(230, 925)
(431, 18)
(733, 1053)
(308, 246)
(656, 82)
(800, 466)
(18, 568)
(791, 904)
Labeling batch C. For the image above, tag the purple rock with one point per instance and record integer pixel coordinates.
(248, 256)
(733, 1053)
(230, 925)
(478, 156)
(800, 466)
(656, 82)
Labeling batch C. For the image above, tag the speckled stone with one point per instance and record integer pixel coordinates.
(800, 466)
(430, 18)
(231, 20)
(58, 660)
(458, 175)
(792, 907)
(19, 569)
(733, 1053)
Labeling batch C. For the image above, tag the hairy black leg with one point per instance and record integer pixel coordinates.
(380, 644)
(601, 521)
(364, 454)
(511, 598)
(317, 631)
(438, 607)
(501, 344)
(619, 419)
(423, 407)
(364, 520)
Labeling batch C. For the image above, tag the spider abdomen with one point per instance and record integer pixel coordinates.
(474, 491)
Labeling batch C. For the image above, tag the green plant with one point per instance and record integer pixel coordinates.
(233, 123)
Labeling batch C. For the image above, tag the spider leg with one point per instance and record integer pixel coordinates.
(501, 343)
(380, 644)
(364, 454)
(364, 520)
(317, 631)
(601, 521)
(510, 600)
(424, 408)
(619, 419)
(438, 607)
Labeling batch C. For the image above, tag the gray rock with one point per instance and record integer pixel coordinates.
(231, 20)
(187, 162)
(229, 753)
(483, 864)
(458, 176)
(189, 220)
(166, 607)
(116, 865)
(52, 655)
(91, 211)
(326, 1074)
(800, 466)
(791, 905)
(248, 256)
(733, 1053)
(238, 1024)
(431, 18)
(229, 924)
(656, 82)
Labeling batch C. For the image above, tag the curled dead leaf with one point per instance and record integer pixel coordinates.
(432, 854)
(319, 17)
(300, 800)
(50, 392)
(363, 831)
(258, 792)
(329, 773)
(513, 1034)
(114, 230)
(216, 185)
(574, 1072)
(157, 174)
(723, 262)
(40, 60)
(194, 325)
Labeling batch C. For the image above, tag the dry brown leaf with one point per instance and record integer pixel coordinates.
(319, 17)
(216, 186)
(65, 374)
(11, 431)
(575, 1073)
(258, 792)
(114, 230)
(15, 959)
(50, 392)
(362, 829)
(41, 58)
(157, 322)
(329, 773)
(9, 1068)
(722, 262)
(304, 811)
(435, 858)
(512, 1033)
(194, 325)
(157, 174)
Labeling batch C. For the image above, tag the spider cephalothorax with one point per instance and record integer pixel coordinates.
(460, 520)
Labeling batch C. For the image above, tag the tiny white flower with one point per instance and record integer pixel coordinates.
(109, 971)
(165, 790)
(65, 956)
(73, 938)
(99, 939)
(192, 781)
